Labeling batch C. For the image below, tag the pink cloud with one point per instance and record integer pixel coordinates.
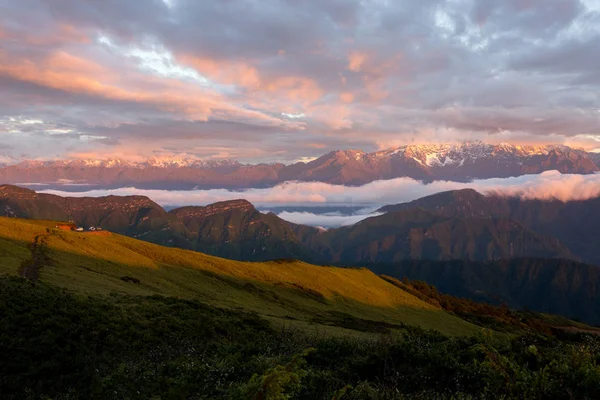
(60, 35)
(297, 90)
(71, 73)
(335, 116)
(225, 72)
(356, 60)
(552, 185)
(346, 97)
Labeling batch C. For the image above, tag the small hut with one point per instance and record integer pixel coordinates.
(66, 226)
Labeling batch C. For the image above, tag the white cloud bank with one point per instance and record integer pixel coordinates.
(325, 220)
(548, 185)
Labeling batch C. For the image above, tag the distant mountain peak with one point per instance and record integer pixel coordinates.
(346, 155)
(164, 162)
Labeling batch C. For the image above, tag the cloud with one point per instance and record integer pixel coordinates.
(361, 73)
(548, 185)
(356, 60)
(325, 220)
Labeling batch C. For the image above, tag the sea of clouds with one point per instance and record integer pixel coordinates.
(548, 185)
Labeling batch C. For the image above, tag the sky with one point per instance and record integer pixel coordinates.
(286, 80)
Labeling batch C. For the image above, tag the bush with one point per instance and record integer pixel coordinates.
(60, 345)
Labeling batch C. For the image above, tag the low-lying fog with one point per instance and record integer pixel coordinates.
(326, 205)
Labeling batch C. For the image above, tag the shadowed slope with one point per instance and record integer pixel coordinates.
(574, 223)
(422, 234)
(236, 229)
(554, 286)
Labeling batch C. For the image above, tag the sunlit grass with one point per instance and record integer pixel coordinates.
(290, 290)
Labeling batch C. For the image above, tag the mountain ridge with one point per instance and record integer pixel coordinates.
(236, 229)
(461, 162)
(575, 223)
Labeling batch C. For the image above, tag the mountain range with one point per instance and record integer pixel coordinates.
(488, 248)
(461, 162)
(235, 229)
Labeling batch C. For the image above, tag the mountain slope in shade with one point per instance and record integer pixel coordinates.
(456, 162)
(421, 234)
(595, 157)
(574, 223)
(235, 229)
(547, 285)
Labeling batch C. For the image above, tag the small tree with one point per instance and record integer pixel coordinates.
(277, 383)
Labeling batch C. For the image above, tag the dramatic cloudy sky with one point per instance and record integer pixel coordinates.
(279, 80)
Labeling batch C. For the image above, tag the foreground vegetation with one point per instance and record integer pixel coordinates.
(105, 316)
(62, 345)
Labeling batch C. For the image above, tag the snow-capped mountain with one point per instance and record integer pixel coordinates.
(456, 162)
(457, 154)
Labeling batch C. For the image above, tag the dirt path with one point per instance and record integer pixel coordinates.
(40, 258)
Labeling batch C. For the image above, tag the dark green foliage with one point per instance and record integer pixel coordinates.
(55, 344)
(274, 383)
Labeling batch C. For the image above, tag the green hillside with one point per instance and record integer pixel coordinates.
(286, 292)
(87, 328)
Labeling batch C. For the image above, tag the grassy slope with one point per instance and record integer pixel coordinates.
(282, 291)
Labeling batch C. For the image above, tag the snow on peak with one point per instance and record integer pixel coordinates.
(439, 155)
(344, 155)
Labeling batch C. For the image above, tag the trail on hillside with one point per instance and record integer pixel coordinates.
(40, 258)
